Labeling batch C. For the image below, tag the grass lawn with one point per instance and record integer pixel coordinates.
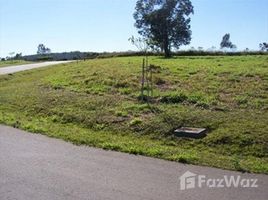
(96, 103)
(13, 62)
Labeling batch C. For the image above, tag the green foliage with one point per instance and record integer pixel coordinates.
(135, 121)
(226, 43)
(264, 46)
(41, 49)
(173, 98)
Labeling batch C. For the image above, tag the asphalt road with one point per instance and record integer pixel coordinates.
(18, 68)
(35, 167)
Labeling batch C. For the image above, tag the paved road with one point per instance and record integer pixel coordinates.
(34, 167)
(18, 68)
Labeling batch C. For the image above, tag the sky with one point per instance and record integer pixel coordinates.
(106, 25)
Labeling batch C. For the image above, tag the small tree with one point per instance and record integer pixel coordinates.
(164, 22)
(192, 49)
(263, 46)
(41, 49)
(142, 44)
(226, 42)
(11, 55)
(246, 50)
(212, 49)
(200, 48)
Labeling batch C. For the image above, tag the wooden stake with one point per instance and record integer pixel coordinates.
(142, 79)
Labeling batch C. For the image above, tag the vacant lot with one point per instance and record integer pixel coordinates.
(97, 103)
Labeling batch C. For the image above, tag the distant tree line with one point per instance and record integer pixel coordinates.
(44, 53)
(76, 55)
(91, 55)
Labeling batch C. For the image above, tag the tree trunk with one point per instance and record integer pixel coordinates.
(166, 48)
(167, 51)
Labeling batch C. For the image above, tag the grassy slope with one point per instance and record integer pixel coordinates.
(13, 62)
(96, 103)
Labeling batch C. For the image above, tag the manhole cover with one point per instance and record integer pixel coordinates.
(190, 132)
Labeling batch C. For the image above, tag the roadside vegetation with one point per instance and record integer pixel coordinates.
(96, 103)
(13, 62)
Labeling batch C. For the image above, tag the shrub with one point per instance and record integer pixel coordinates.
(135, 121)
(173, 98)
(159, 81)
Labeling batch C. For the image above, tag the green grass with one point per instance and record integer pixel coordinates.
(13, 62)
(96, 103)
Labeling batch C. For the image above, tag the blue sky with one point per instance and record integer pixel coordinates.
(106, 25)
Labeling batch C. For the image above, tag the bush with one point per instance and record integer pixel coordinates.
(135, 121)
(159, 81)
(174, 98)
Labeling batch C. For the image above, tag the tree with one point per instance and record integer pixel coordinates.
(165, 23)
(192, 49)
(141, 43)
(41, 49)
(11, 55)
(213, 49)
(18, 56)
(226, 43)
(200, 48)
(264, 46)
